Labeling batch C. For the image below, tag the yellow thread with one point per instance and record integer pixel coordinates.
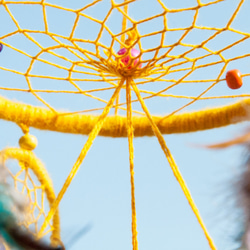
(173, 166)
(92, 136)
(24, 128)
(131, 161)
(204, 92)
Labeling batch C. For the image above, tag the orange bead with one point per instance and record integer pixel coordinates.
(233, 78)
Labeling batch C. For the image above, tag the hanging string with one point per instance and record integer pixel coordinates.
(82, 155)
(131, 162)
(174, 167)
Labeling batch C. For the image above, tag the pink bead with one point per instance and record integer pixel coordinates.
(125, 60)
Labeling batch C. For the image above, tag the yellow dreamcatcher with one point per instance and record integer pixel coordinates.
(95, 69)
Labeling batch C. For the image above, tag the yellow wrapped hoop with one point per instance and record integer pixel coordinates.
(116, 126)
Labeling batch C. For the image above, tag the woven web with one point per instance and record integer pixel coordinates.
(63, 56)
(58, 57)
(26, 183)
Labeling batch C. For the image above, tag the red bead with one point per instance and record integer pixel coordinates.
(233, 78)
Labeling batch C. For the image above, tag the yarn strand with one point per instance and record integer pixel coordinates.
(131, 161)
(174, 167)
(82, 155)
